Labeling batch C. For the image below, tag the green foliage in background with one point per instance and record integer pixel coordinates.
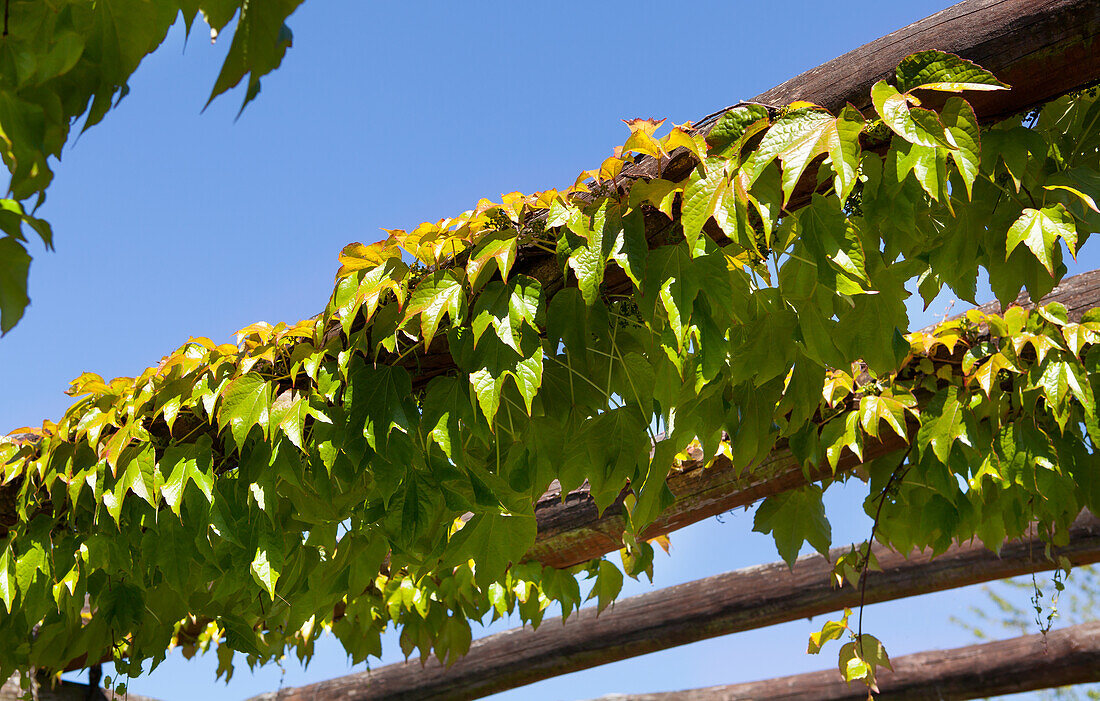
(1026, 605)
(62, 61)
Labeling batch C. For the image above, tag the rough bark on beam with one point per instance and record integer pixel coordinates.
(573, 531)
(1060, 658)
(1042, 48)
(727, 603)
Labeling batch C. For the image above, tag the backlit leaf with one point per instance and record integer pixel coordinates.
(937, 70)
(914, 124)
(1039, 230)
(962, 124)
(437, 294)
(246, 402)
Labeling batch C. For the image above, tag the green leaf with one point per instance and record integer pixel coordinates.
(123, 605)
(376, 399)
(528, 377)
(789, 129)
(447, 412)
(617, 446)
(962, 124)
(942, 423)
(844, 150)
(139, 474)
(498, 247)
(8, 587)
(289, 412)
(915, 125)
(609, 582)
(567, 319)
(259, 44)
(870, 327)
(937, 70)
(239, 635)
(1017, 147)
(817, 134)
(246, 402)
(268, 560)
(832, 630)
(508, 309)
(492, 541)
(701, 197)
(873, 410)
(792, 518)
(669, 275)
(15, 265)
(437, 294)
(927, 164)
(122, 33)
(487, 388)
(834, 246)
(599, 229)
(188, 463)
(632, 249)
(1084, 199)
(861, 658)
(1039, 230)
(735, 125)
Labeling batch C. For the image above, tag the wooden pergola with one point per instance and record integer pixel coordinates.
(1044, 49)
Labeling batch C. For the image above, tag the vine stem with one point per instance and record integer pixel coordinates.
(895, 477)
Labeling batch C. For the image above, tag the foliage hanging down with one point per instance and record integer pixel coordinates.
(61, 60)
(378, 464)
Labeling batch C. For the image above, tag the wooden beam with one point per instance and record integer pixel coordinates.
(1042, 48)
(573, 531)
(727, 603)
(1059, 658)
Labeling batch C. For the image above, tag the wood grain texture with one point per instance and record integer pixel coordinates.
(727, 603)
(1043, 48)
(1060, 658)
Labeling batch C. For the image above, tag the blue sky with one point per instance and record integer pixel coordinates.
(171, 223)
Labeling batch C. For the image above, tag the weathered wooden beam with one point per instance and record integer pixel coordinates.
(727, 603)
(1042, 48)
(573, 531)
(1059, 658)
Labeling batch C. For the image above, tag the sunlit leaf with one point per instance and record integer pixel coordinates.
(937, 70)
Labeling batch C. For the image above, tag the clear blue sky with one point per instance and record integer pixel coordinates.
(172, 223)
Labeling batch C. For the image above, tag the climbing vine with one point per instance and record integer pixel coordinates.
(378, 464)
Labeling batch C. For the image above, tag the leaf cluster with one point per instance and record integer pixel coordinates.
(378, 465)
